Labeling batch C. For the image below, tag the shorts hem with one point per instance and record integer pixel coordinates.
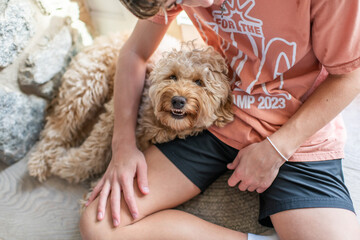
(184, 169)
(291, 204)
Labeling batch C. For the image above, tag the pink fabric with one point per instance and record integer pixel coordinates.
(275, 63)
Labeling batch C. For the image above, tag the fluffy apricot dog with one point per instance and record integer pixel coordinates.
(186, 91)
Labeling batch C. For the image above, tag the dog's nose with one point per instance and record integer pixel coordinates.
(178, 102)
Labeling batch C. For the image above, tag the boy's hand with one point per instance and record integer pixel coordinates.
(119, 176)
(255, 167)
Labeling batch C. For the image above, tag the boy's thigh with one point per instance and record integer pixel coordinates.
(309, 200)
(317, 224)
(169, 187)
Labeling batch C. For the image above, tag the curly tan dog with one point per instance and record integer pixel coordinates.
(186, 92)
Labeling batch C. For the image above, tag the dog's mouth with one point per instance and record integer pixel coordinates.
(178, 113)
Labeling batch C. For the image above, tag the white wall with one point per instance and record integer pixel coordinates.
(110, 16)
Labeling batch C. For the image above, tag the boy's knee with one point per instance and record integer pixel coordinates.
(90, 228)
(85, 225)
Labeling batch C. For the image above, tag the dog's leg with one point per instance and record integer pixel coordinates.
(60, 132)
(79, 99)
(38, 164)
(92, 156)
(50, 147)
(86, 86)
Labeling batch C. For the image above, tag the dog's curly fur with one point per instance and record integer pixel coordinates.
(76, 141)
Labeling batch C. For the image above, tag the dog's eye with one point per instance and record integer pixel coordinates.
(173, 77)
(198, 82)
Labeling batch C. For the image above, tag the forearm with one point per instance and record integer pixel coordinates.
(128, 87)
(130, 77)
(327, 101)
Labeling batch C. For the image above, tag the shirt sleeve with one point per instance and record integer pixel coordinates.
(160, 18)
(336, 34)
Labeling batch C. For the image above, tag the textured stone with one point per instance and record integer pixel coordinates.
(42, 69)
(33, 61)
(16, 29)
(3, 6)
(21, 119)
(50, 57)
(49, 7)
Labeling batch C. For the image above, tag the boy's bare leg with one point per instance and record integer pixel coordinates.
(177, 225)
(173, 224)
(168, 188)
(316, 223)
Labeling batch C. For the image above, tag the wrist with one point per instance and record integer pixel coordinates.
(284, 146)
(277, 150)
(122, 141)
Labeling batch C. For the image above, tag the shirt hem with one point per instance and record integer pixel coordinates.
(297, 156)
(343, 68)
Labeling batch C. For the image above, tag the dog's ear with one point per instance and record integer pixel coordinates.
(224, 113)
(216, 61)
(218, 72)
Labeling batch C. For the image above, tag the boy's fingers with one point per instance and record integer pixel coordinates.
(102, 200)
(142, 179)
(115, 200)
(129, 196)
(94, 193)
(234, 164)
(251, 188)
(234, 178)
(243, 186)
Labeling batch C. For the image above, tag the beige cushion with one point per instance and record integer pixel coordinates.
(228, 207)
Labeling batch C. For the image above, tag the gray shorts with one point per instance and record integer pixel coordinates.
(203, 158)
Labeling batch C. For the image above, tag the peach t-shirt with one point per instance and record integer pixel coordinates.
(278, 52)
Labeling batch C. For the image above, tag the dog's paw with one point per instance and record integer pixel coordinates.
(66, 171)
(38, 168)
(70, 168)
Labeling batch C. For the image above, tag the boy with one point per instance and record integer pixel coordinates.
(294, 66)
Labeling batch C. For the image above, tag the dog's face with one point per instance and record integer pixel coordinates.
(190, 89)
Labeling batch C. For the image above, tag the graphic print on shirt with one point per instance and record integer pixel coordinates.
(237, 22)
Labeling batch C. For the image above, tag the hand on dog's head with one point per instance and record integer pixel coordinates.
(190, 89)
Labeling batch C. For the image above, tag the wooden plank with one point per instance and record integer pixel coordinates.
(33, 210)
(351, 117)
(352, 180)
(351, 163)
(3, 166)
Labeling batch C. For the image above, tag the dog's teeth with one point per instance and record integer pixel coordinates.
(177, 112)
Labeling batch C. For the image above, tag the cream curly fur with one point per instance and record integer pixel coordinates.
(76, 141)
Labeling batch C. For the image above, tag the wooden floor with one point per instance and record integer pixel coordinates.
(31, 210)
(351, 163)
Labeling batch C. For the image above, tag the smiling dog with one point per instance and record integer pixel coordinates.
(186, 92)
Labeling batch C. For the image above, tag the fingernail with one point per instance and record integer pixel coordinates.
(146, 189)
(134, 215)
(87, 204)
(116, 222)
(100, 215)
